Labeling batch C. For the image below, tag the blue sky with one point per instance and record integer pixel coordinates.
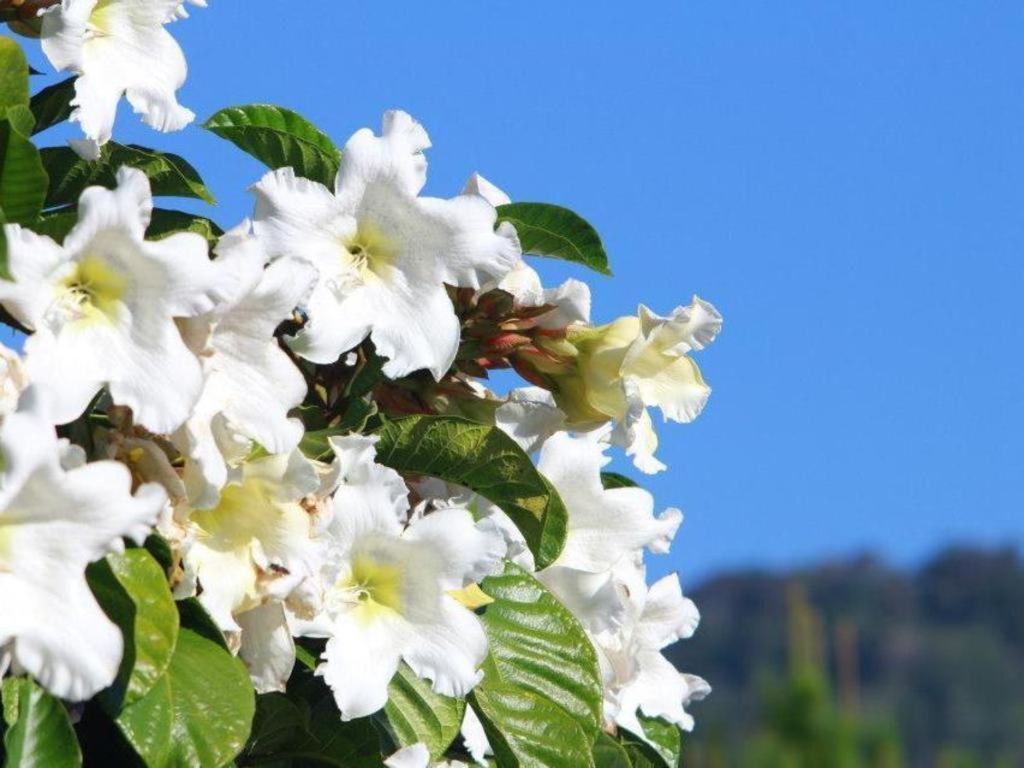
(845, 181)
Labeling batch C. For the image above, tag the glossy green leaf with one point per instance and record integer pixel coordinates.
(39, 733)
(417, 714)
(487, 461)
(23, 178)
(199, 712)
(279, 138)
(13, 75)
(556, 232)
(536, 644)
(541, 697)
(526, 730)
(132, 588)
(609, 753)
(52, 105)
(169, 175)
(612, 480)
(663, 745)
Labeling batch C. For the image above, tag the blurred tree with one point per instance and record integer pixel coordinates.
(859, 664)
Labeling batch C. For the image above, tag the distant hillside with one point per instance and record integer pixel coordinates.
(935, 657)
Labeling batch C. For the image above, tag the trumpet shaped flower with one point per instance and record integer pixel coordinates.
(605, 525)
(250, 384)
(118, 48)
(257, 544)
(102, 307)
(388, 587)
(383, 252)
(54, 522)
(638, 362)
(638, 677)
(606, 528)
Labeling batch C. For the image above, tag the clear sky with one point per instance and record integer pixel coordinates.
(845, 181)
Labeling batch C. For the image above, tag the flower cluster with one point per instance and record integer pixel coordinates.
(234, 398)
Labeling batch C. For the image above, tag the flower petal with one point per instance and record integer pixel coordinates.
(359, 662)
(605, 526)
(267, 647)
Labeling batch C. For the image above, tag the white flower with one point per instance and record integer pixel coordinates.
(570, 301)
(605, 525)
(529, 416)
(118, 47)
(54, 522)
(13, 379)
(474, 737)
(102, 307)
(383, 253)
(387, 588)
(634, 363)
(250, 383)
(418, 756)
(266, 646)
(638, 677)
(257, 544)
(606, 528)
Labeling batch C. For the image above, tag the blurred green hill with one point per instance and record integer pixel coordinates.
(862, 665)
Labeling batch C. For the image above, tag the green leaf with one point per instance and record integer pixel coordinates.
(4, 271)
(664, 744)
(23, 178)
(13, 75)
(21, 118)
(352, 744)
(314, 443)
(58, 222)
(166, 222)
(199, 712)
(487, 461)
(39, 733)
(541, 697)
(279, 138)
(612, 480)
(280, 732)
(642, 756)
(556, 232)
(417, 714)
(52, 105)
(169, 175)
(193, 616)
(132, 588)
(535, 643)
(526, 730)
(608, 753)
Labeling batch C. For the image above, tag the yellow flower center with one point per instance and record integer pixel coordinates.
(94, 290)
(236, 536)
(369, 252)
(371, 588)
